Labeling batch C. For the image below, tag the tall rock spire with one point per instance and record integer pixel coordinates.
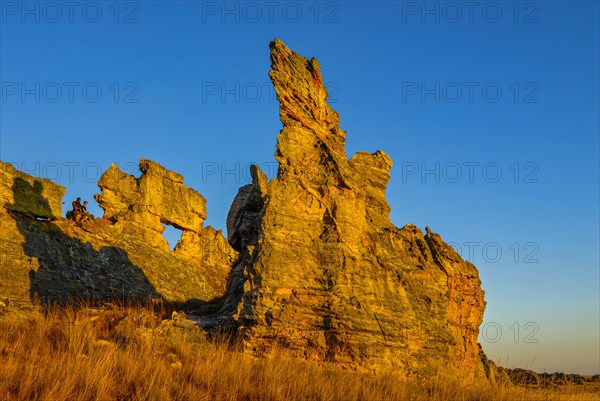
(323, 272)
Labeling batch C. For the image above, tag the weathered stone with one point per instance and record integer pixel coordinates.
(158, 196)
(123, 255)
(37, 197)
(323, 272)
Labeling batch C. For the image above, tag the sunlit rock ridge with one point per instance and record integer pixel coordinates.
(312, 265)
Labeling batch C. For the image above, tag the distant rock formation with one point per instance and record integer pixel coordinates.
(323, 272)
(312, 264)
(122, 255)
(529, 378)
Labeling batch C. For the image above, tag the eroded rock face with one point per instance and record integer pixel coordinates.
(158, 196)
(122, 255)
(35, 197)
(323, 272)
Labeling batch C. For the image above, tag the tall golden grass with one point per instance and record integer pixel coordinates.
(78, 354)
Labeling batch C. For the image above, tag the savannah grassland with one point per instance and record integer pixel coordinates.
(68, 354)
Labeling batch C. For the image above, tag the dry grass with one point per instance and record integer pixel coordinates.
(81, 354)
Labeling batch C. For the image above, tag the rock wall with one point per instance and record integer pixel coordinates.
(122, 255)
(323, 273)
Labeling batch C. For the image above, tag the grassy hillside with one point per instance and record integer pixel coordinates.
(132, 353)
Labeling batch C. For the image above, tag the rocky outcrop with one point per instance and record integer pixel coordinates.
(158, 196)
(323, 272)
(313, 266)
(122, 255)
(34, 197)
(529, 378)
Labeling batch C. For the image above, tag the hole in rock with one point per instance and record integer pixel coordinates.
(172, 235)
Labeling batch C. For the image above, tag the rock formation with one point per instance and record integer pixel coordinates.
(312, 266)
(20, 192)
(323, 273)
(123, 255)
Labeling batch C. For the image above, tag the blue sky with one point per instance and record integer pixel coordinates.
(490, 114)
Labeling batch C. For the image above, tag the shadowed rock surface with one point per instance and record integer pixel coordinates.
(323, 272)
(33, 197)
(123, 255)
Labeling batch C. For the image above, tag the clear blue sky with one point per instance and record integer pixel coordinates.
(490, 113)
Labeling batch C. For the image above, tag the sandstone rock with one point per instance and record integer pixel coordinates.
(158, 196)
(181, 321)
(180, 328)
(323, 273)
(123, 255)
(37, 197)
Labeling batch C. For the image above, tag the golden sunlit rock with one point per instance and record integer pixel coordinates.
(313, 266)
(323, 272)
